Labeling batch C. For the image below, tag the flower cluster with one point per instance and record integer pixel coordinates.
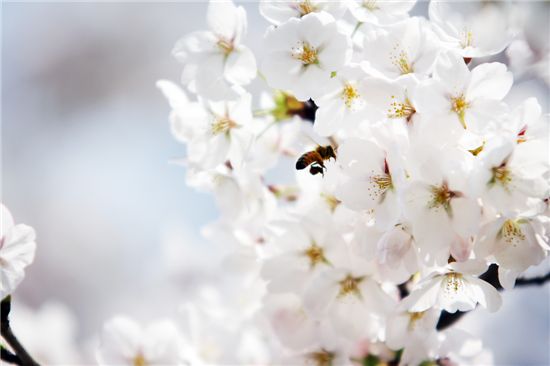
(419, 177)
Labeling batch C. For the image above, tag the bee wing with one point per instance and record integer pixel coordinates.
(309, 140)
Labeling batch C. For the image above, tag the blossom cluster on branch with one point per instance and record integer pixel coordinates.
(414, 177)
(362, 193)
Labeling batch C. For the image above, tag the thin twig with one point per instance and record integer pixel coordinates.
(7, 334)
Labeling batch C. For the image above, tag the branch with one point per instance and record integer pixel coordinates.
(5, 329)
(491, 275)
(533, 281)
(6, 355)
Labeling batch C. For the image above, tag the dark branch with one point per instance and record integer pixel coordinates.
(5, 329)
(533, 281)
(6, 355)
(491, 275)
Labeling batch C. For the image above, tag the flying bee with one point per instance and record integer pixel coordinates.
(316, 159)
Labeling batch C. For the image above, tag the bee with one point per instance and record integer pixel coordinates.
(316, 159)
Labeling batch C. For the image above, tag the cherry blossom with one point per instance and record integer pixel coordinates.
(215, 60)
(304, 53)
(17, 248)
(124, 342)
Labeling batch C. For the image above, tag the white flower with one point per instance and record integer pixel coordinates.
(474, 28)
(457, 99)
(511, 175)
(373, 176)
(344, 105)
(215, 60)
(438, 202)
(17, 248)
(303, 54)
(279, 11)
(186, 116)
(394, 100)
(393, 251)
(455, 288)
(304, 250)
(515, 242)
(380, 11)
(408, 47)
(415, 333)
(124, 342)
(222, 133)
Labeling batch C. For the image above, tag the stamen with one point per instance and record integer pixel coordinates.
(453, 282)
(306, 54)
(223, 125)
(441, 197)
(331, 201)
(511, 232)
(305, 7)
(466, 38)
(380, 185)
(413, 318)
(401, 110)
(400, 59)
(321, 357)
(350, 286)
(370, 5)
(225, 46)
(349, 94)
(139, 360)
(501, 175)
(459, 106)
(315, 255)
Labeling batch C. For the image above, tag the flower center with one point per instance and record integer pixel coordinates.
(321, 358)
(400, 59)
(459, 106)
(225, 46)
(441, 197)
(453, 282)
(139, 360)
(370, 5)
(413, 318)
(306, 54)
(305, 7)
(349, 94)
(401, 110)
(511, 232)
(223, 125)
(331, 201)
(501, 175)
(315, 255)
(466, 38)
(350, 286)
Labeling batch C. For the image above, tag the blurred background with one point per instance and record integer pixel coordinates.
(86, 153)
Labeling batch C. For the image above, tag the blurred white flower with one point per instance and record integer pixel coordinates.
(472, 28)
(17, 248)
(380, 11)
(279, 11)
(216, 60)
(125, 342)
